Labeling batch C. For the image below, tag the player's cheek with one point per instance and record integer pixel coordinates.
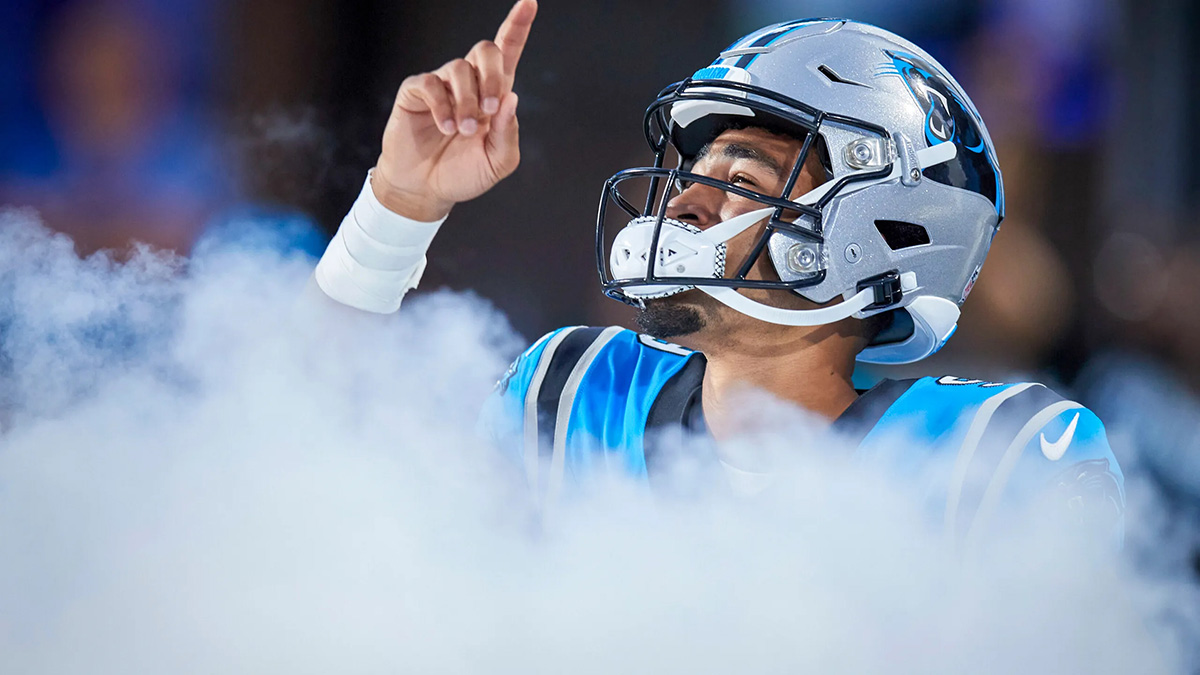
(739, 248)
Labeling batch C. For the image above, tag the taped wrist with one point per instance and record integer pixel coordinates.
(376, 257)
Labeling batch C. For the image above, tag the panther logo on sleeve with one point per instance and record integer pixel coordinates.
(1090, 492)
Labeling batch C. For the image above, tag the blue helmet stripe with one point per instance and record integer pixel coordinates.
(776, 35)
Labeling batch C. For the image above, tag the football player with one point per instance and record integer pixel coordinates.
(823, 193)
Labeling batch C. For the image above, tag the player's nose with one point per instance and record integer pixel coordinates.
(696, 205)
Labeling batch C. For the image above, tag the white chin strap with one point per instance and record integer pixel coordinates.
(792, 317)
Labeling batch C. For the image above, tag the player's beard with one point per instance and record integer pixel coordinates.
(672, 317)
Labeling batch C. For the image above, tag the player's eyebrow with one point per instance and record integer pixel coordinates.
(736, 150)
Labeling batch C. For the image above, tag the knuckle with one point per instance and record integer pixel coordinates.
(417, 84)
(424, 86)
(430, 82)
(462, 77)
(485, 47)
(409, 84)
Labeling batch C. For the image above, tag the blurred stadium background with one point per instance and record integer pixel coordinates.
(165, 120)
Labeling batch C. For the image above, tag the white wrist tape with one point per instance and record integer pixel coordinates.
(376, 256)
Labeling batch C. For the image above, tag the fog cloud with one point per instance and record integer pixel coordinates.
(199, 473)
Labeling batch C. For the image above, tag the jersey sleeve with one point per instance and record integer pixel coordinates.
(1028, 451)
(1003, 450)
(502, 419)
(1066, 471)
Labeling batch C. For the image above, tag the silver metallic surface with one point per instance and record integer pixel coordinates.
(960, 223)
(910, 167)
(853, 253)
(866, 153)
(876, 104)
(802, 258)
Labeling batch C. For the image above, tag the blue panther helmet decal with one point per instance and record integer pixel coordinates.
(949, 118)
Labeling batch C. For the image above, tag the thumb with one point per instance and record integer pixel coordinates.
(503, 141)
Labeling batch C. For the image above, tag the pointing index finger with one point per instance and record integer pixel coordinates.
(514, 32)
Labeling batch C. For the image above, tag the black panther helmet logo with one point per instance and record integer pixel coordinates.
(948, 117)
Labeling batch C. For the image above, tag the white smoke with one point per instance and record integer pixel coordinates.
(201, 474)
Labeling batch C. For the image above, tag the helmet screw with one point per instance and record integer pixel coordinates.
(865, 153)
(680, 268)
(801, 258)
(915, 175)
(853, 253)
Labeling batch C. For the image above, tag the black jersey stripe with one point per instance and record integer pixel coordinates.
(533, 439)
(562, 362)
(678, 406)
(864, 413)
(566, 403)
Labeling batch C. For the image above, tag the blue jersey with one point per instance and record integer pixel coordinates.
(586, 398)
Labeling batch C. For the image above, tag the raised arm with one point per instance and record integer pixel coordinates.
(451, 136)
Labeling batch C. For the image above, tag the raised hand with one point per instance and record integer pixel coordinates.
(452, 133)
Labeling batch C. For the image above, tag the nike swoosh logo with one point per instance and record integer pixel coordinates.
(1054, 451)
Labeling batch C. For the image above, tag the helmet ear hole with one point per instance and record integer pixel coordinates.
(899, 234)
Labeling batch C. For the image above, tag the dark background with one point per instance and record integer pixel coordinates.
(166, 120)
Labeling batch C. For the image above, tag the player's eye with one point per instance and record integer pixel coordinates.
(744, 180)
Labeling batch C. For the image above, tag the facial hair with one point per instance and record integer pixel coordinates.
(669, 318)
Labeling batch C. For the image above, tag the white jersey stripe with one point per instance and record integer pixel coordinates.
(531, 407)
(566, 402)
(958, 475)
(1004, 470)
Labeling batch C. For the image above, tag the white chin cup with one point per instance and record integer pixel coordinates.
(684, 250)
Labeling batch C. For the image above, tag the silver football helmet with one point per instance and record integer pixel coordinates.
(902, 224)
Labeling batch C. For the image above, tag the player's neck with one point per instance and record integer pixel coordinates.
(813, 371)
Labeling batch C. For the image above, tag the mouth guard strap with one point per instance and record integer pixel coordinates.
(792, 317)
(724, 231)
(926, 157)
(937, 154)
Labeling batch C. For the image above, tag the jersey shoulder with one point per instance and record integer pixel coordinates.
(583, 391)
(959, 411)
(548, 363)
(1002, 442)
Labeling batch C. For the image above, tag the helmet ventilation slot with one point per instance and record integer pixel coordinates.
(899, 235)
(834, 77)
